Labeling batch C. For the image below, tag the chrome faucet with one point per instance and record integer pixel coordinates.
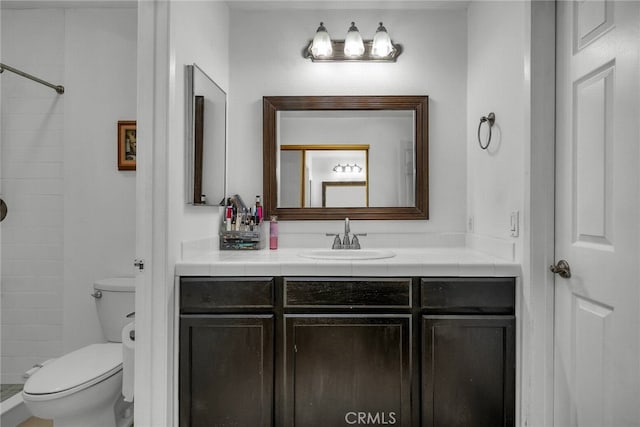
(347, 242)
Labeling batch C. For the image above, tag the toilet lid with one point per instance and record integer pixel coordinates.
(116, 284)
(77, 370)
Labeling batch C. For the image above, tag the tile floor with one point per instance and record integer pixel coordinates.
(8, 390)
(36, 422)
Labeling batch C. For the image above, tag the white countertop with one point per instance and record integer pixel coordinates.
(407, 262)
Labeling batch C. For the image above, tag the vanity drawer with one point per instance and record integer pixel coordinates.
(468, 295)
(197, 294)
(347, 292)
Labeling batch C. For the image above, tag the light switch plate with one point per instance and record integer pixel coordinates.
(514, 227)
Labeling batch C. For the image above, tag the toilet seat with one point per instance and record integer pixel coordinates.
(74, 372)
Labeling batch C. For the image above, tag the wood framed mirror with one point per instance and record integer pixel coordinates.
(393, 128)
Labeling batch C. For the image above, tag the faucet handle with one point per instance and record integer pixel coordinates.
(337, 244)
(355, 242)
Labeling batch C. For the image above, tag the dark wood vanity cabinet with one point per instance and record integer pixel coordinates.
(226, 352)
(226, 370)
(468, 352)
(326, 352)
(340, 367)
(347, 352)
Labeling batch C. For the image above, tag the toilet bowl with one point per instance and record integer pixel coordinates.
(84, 388)
(74, 392)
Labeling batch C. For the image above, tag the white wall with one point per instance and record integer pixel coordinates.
(496, 83)
(266, 60)
(511, 72)
(71, 211)
(99, 215)
(199, 34)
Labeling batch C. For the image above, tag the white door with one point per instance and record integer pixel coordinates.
(597, 333)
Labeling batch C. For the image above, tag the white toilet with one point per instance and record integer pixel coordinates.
(84, 388)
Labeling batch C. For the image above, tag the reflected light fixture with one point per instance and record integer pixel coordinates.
(353, 48)
(347, 168)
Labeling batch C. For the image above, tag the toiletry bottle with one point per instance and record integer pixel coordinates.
(258, 210)
(228, 215)
(273, 233)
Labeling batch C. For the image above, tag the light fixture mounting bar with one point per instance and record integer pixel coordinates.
(339, 56)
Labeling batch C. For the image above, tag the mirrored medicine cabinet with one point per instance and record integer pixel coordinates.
(331, 157)
(205, 151)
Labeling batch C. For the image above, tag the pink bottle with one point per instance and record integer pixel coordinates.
(273, 233)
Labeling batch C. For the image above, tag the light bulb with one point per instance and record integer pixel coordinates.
(321, 45)
(353, 44)
(382, 46)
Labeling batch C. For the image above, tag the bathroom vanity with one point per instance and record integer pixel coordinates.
(318, 343)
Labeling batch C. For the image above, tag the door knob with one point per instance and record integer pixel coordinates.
(561, 268)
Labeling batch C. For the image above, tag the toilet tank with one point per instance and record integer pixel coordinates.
(115, 298)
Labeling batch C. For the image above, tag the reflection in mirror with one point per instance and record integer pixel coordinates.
(344, 194)
(308, 168)
(206, 117)
(319, 150)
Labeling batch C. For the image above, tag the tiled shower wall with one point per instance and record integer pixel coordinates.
(71, 214)
(32, 186)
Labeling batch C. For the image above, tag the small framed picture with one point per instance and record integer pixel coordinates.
(127, 145)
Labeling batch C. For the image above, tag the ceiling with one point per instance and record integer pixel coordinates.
(347, 4)
(49, 4)
(254, 4)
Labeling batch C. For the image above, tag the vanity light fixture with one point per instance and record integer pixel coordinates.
(353, 48)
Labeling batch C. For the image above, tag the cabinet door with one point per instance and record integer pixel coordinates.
(468, 371)
(347, 370)
(226, 370)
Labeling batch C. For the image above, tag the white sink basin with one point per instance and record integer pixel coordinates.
(347, 254)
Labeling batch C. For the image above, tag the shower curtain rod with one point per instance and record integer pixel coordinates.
(57, 88)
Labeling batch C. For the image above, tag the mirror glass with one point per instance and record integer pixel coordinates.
(308, 172)
(206, 119)
(362, 157)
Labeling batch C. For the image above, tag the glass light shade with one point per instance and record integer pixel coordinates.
(321, 45)
(353, 44)
(382, 46)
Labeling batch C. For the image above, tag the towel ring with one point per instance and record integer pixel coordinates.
(490, 119)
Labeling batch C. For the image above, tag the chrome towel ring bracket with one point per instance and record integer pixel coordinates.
(490, 120)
